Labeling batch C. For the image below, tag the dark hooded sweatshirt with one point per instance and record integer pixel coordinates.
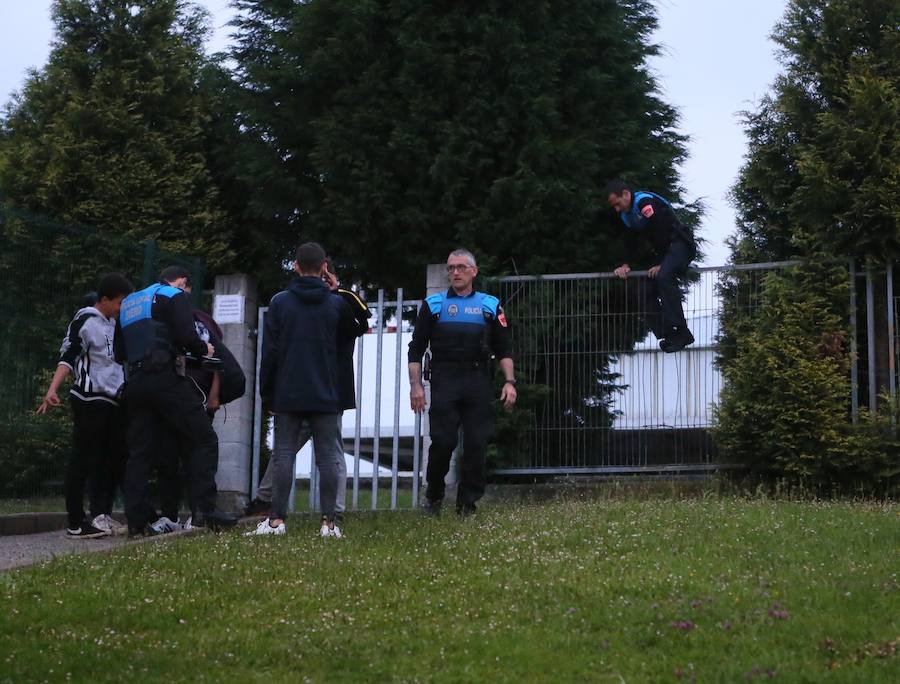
(304, 326)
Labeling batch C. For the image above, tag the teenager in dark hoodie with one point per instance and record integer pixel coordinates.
(300, 381)
(262, 504)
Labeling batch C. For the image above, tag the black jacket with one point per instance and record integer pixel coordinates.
(304, 327)
(361, 314)
(661, 228)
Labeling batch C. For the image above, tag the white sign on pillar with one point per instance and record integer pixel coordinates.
(228, 309)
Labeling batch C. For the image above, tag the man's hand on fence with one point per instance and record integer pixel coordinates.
(50, 399)
(417, 397)
(622, 271)
(653, 271)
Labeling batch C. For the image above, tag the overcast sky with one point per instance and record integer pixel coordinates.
(718, 60)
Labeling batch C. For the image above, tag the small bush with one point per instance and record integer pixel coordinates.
(784, 408)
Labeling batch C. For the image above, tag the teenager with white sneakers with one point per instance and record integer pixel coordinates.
(99, 448)
(299, 382)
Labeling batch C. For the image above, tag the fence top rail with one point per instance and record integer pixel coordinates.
(610, 274)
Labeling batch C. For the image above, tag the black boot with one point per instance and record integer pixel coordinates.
(677, 341)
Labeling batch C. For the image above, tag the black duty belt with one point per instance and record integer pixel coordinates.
(148, 366)
(460, 365)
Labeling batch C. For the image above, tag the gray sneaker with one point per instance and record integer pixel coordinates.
(109, 524)
(165, 525)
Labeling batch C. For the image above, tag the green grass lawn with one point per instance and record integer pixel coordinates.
(705, 589)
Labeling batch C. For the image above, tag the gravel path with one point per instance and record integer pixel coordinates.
(27, 549)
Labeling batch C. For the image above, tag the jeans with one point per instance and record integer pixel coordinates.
(292, 431)
(264, 491)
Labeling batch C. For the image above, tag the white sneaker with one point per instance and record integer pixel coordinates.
(101, 523)
(164, 525)
(265, 528)
(331, 530)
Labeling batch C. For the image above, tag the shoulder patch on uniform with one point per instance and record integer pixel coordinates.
(647, 211)
(435, 302)
(490, 303)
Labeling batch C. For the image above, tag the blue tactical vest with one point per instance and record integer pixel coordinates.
(632, 218)
(461, 326)
(142, 333)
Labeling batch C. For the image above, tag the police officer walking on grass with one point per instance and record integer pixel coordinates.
(648, 215)
(464, 328)
(154, 330)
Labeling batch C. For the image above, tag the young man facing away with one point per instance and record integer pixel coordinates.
(299, 381)
(262, 504)
(99, 448)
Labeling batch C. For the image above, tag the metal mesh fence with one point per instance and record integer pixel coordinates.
(597, 395)
(46, 269)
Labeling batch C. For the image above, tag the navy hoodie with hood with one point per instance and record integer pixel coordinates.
(304, 327)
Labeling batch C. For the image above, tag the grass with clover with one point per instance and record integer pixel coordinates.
(582, 588)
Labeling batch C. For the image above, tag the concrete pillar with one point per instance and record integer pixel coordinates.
(235, 306)
(436, 281)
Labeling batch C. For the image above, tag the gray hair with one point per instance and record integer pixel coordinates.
(464, 253)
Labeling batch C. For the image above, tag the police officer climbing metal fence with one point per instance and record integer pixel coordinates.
(154, 330)
(648, 215)
(464, 328)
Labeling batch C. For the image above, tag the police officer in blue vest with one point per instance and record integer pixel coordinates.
(155, 329)
(650, 216)
(465, 328)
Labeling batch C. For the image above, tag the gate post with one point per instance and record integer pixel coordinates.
(235, 302)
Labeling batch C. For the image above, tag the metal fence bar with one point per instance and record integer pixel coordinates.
(376, 439)
(395, 448)
(623, 470)
(870, 330)
(854, 351)
(417, 440)
(357, 428)
(892, 382)
(609, 275)
(257, 408)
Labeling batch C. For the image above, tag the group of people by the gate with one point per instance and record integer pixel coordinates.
(150, 372)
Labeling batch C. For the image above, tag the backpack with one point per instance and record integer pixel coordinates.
(232, 381)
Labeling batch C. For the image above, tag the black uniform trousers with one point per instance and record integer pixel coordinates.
(98, 458)
(173, 454)
(158, 402)
(460, 396)
(665, 313)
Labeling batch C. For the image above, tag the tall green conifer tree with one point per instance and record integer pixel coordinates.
(111, 132)
(396, 130)
(821, 183)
